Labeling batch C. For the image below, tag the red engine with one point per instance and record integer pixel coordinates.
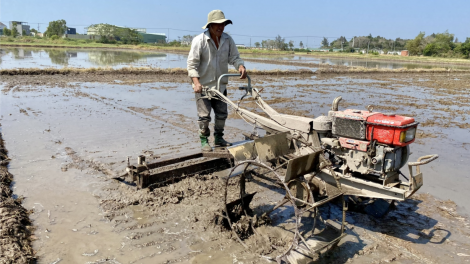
(389, 129)
(371, 142)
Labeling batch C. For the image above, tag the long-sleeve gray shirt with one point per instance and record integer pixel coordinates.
(207, 62)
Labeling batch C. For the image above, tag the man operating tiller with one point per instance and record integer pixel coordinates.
(210, 54)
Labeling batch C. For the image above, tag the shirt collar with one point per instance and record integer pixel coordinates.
(208, 35)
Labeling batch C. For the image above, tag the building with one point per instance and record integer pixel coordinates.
(404, 53)
(75, 36)
(146, 37)
(41, 35)
(240, 46)
(319, 49)
(20, 26)
(71, 31)
(95, 29)
(2, 27)
(393, 52)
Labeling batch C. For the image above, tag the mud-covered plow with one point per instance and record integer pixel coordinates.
(169, 170)
(344, 157)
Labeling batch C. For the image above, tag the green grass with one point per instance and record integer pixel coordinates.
(80, 43)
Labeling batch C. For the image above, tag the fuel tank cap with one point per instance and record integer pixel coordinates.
(389, 114)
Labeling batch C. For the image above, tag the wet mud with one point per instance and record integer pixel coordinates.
(321, 69)
(81, 138)
(137, 71)
(16, 230)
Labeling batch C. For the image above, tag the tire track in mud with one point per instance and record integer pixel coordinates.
(181, 122)
(15, 225)
(141, 112)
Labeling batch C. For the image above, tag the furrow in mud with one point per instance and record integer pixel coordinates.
(15, 227)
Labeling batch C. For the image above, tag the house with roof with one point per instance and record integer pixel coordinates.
(20, 27)
(2, 27)
(146, 37)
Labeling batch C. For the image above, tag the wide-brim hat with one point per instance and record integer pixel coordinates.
(216, 16)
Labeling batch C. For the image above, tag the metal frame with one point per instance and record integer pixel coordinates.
(297, 145)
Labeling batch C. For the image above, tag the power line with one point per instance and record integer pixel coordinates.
(198, 31)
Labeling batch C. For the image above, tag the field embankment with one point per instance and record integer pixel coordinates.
(15, 226)
(323, 69)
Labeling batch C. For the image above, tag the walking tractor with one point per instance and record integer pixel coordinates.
(343, 158)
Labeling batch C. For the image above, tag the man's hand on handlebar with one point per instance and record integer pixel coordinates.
(197, 87)
(242, 71)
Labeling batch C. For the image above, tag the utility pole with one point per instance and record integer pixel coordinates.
(38, 28)
(368, 47)
(342, 45)
(168, 39)
(250, 42)
(353, 42)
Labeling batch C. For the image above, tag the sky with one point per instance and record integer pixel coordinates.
(306, 21)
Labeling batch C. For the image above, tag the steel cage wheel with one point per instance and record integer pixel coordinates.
(288, 195)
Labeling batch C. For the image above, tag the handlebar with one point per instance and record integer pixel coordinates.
(424, 160)
(232, 75)
(421, 161)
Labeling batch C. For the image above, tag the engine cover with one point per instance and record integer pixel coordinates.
(386, 128)
(362, 125)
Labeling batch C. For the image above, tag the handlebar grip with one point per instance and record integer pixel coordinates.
(424, 160)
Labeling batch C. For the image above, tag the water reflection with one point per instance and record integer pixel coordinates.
(110, 58)
(60, 57)
(45, 57)
(11, 58)
(354, 62)
(19, 53)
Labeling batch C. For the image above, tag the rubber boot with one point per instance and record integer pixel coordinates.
(205, 144)
(220, 141)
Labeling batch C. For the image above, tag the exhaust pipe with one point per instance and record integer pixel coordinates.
(334, 105)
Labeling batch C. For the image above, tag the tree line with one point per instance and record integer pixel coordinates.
(365, 42)
(439, 45)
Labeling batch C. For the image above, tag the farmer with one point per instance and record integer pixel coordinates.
(210, 54)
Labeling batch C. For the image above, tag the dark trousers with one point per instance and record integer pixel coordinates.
(204, 107)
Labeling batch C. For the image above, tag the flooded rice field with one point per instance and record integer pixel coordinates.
(68, 135)
(312, 61)
(11, 58)
(23, 57)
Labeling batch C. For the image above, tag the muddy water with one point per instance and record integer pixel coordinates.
(65, 142)
(46, 138)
